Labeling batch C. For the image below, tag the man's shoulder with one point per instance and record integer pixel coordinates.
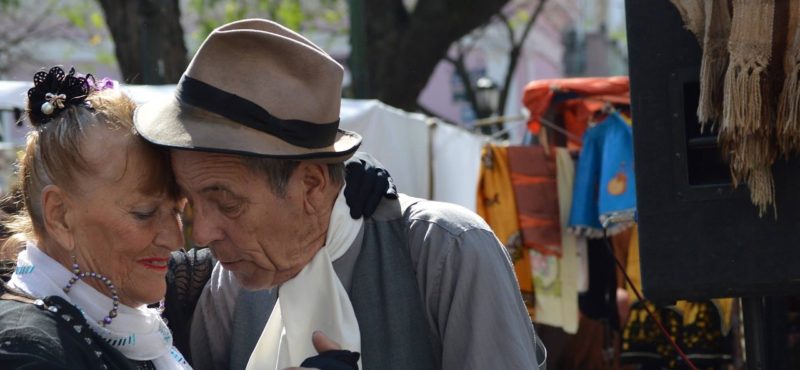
(449, 217)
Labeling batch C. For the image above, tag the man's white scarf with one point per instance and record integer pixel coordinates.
(313, 300)
(138, 333)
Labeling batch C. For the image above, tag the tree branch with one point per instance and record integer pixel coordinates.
(516, 50)
(531, 21)
(509, 29)
(429, 112)
(418, 43)
(463, 75)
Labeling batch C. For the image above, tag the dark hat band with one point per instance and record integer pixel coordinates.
(240, 110)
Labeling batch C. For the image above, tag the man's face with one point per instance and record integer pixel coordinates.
(261, 237)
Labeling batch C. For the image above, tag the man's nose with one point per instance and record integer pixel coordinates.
(205, 229)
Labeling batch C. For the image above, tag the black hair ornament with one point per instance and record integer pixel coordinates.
(55, 90)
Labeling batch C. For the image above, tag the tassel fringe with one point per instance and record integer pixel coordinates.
(714, 64)
(789, 115)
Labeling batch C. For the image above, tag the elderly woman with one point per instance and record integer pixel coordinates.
(103, 215)
(94, 245)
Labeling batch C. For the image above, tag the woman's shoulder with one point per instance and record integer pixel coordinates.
(48, 334)
(29, 335)
(21, 313)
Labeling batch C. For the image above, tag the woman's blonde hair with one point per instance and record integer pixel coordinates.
(54, 156)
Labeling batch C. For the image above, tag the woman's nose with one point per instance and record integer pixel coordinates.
(170, 234)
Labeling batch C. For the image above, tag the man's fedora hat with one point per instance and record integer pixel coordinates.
(254, 88)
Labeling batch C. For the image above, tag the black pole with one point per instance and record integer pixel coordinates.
(754, 333)
(359, 70)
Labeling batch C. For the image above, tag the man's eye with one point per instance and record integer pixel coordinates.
(143, 216)
(229, 208)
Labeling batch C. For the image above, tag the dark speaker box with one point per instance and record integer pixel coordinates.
(699, 237)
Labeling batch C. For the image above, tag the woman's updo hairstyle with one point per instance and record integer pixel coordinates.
(60, 106)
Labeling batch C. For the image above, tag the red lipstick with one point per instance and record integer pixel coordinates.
(154, 263)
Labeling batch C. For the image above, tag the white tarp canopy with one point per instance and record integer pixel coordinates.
(427, 158)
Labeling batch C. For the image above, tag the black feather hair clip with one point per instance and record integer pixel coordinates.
(55, 90)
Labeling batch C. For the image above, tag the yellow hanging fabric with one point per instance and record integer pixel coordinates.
(496, 204)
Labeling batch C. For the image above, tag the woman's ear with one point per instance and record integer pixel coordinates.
(56, 216)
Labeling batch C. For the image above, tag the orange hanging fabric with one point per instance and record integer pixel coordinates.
(533, 177)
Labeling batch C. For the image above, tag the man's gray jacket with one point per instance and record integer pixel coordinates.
(431, 287)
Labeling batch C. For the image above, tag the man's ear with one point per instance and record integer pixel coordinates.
(56, 216)
(315, 185)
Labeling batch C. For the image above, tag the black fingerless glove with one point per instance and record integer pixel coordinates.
(367, 182)
(333, 360)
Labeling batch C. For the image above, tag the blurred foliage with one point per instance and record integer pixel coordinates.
(78, 13)
(7, 4)
(520, 18)
(25, 25)
(107, 58)
(299, 15)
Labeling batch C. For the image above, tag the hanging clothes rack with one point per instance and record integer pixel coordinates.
(522, 118)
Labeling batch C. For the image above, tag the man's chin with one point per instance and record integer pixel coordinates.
(253, 283)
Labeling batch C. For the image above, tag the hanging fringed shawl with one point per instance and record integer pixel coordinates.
(710, 22)
(692, 13)
(747, 130)
(789, 102)
(715, 60)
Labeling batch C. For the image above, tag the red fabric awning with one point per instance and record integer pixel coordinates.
(538, 95)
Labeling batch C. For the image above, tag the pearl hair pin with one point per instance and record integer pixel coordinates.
(52, 102)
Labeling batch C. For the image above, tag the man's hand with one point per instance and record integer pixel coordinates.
(327, 360)
(322, 343)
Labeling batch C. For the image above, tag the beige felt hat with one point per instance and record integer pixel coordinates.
(254, 88)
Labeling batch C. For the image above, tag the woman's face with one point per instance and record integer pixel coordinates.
(122, 226)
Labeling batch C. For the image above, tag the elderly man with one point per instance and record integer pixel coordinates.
(257, 151)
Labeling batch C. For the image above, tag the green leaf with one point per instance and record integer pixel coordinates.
(332, 16)
(107, 58)
(8, 4)
(520, 17)
(97, 20)
(232, 11)
(74, 16)
(290, 14)
(264, 5)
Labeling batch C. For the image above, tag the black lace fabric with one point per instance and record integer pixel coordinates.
(187, 275)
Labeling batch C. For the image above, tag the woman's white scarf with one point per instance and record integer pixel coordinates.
(138, 333)
(313, 300)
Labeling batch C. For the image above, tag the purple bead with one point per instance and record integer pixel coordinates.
(107, 320)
